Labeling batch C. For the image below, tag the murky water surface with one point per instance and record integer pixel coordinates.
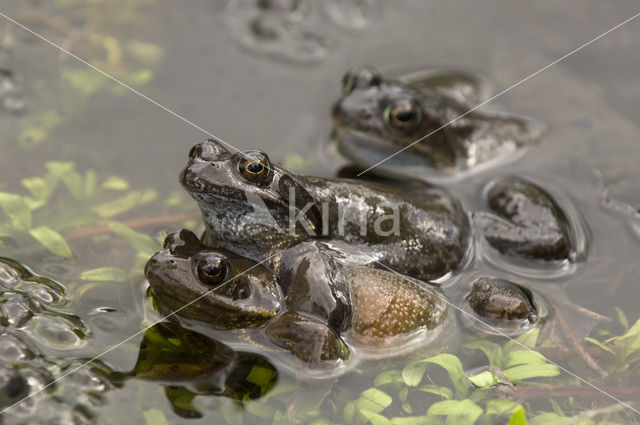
(86, 161)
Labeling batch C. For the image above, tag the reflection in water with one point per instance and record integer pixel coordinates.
(189, 364)
(37, 331)
(293, 30)
(12, 89)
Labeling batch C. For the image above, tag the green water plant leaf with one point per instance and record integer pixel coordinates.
(141, 242)
(414, 372)
(115, 183)
(104, 274)
(144, 52)
(125, 203)
(443, 392)
(154, 417)
(484, 379)
(527, 371)
(375, 418)
(519, 417)
(51, 240)
(373, 400)
(85, 80)
(464, 412)
(17, 210)
(492, 350)
(518, 357)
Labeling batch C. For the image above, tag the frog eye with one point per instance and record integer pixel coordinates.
(360, 78)
(212, 269)
(254, 167)
(403, 114)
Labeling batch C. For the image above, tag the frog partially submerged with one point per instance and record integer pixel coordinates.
(212, 285)
(256, 208)
(527, 222)
(327, 296)
(376, 118)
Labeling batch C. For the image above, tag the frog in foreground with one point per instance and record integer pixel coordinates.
(256, 208)
(376, 118)
(326, 299)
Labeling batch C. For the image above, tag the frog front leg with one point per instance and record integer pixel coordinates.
(307, 338)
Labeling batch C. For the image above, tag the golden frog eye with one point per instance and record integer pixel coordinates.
(254, 167)
(212, 269)
(403, 114)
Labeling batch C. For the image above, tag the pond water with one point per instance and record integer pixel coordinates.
(89, 160)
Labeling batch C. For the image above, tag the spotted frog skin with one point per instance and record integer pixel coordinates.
(501, 299)
(377, 117)
(247, 204)
(224, 289)
(327, 295)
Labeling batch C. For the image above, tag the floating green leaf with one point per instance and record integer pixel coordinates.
(492, 350)
(139, 77)
(417, 420)
(519, 373)
(547, 418)
(484, 379)
(38, 187)
(629, 342)
(375, 418)
(519, 417)
(443, 392)
(16, 209)
(261, 376)
(373, 400)
(388, 377)
(87, 81)
(601, 345)
(517, 357)
(498, 406)
(154, 417)
(115, 183)
(464, 412)
(123, 204)
(147, 53)
(527, 339)
(413, 373)
(141, 242)
(51, 240)
(104, 274)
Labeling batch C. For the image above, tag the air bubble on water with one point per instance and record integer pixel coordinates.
(8, 276)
